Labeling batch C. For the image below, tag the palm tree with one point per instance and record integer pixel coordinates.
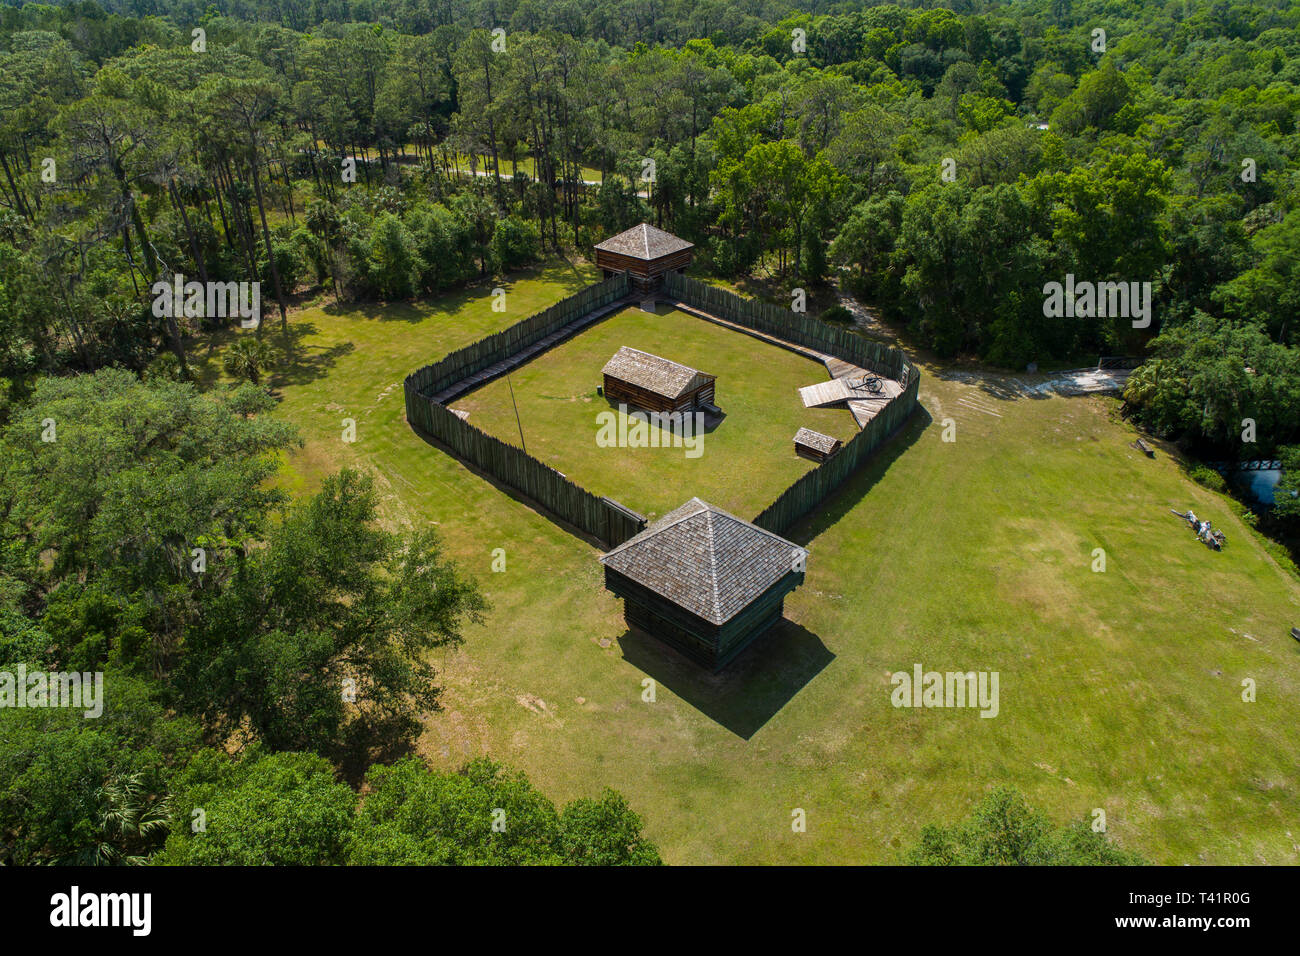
(130, 826)
(249, 357)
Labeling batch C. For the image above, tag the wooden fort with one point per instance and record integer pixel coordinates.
(645, 253)
(703, 581)
(641, 380)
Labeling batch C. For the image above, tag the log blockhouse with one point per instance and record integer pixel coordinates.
(704, 581)
(645, 253)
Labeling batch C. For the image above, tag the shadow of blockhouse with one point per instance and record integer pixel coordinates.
(751, 690)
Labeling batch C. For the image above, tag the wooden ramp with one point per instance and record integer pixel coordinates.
(840, 368)
(865, 405)
(826, 393)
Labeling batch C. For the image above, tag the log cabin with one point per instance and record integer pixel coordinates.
(815, 445)
(641, 380)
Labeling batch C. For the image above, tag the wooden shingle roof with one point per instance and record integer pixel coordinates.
(644, 242)
(658, 375)
(705, 560)
(811, 439)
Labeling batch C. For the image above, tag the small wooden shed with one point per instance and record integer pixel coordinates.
(704, 581)
(815, 445)
(645, 253)
(655, 384)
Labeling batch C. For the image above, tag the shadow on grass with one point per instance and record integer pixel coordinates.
(841, 501)
(560, 271)
(300, 363)
(668, 430)
(297, 363)
(379, 738)
(1004, 386)
(531, 503)
(396, 311)
(749, 691)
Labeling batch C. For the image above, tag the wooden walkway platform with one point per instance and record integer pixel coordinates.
(840, 390)
(863, 404)
(486, 375)
(763, 336)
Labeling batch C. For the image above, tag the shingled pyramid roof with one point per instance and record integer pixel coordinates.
(706, 561)
(644, 242)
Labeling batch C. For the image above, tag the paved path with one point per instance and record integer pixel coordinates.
(1079, 381)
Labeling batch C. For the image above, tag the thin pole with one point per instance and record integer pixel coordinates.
(517, 421)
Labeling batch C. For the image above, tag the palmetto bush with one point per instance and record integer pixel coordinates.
(249, 357)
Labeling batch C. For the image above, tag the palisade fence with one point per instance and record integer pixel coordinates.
(603, 518)
(791, 326)
(600, 517)
(472, 359)
(814, 487)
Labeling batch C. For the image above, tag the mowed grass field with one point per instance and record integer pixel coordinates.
(1119, 690)
(757, 388)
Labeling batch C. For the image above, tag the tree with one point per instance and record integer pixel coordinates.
(604, 832)
(1286, 495)
(1003, 830)
(515, 243)
(248, 357)
(479, 70)
(241, 107)
(276, 809)
(320, 640)
(393, 266)
(1205, 377)
(485, 814)
(1103, 100)
(78, 791)
(103, 521)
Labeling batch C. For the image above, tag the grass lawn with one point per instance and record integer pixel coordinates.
(1120, 690)
(524, 165)
(757, 388)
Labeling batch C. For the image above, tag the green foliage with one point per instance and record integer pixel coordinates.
(1206, 379)
(837, 314)
(88, 791)
(248, 358)
(1168, 159)
(265, 809)
(330, 599)
(103, 518)
(515, 243)
(1286, 496)
(1003, 830)
(484, 815)
(1207, 477)
(604, 832)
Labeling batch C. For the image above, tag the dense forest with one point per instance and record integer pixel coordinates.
(943, 163)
